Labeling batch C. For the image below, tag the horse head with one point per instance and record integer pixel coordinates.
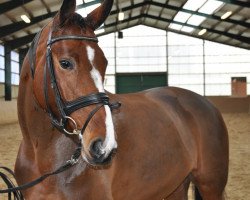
(70, 86)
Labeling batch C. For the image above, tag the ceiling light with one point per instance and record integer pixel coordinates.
(193, 4)
(187, 29)
(181, 17)
(121, 16)
(202, 32)
(210, 6)
(175, 26)
(25, 19)
(196, 20)
(226, 15)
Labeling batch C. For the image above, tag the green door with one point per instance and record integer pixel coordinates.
(136, 82)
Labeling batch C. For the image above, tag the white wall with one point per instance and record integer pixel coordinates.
(143, 49)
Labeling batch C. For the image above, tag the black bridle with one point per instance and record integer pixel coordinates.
(65, 108)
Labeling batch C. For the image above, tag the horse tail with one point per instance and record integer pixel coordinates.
(197, 195)
(16, 194)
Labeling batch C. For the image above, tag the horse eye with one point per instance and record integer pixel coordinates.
(66, 64)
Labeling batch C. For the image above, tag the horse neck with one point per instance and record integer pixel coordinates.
(34, 122)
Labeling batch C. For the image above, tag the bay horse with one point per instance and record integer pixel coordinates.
(148, 146)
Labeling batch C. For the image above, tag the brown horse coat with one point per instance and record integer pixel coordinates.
(165, 135)
(166, 138)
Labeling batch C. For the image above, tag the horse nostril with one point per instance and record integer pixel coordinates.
(96, 149)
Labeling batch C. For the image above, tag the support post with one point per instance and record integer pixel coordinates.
(167, 54)
(7, 84)
(115, 54)
(204, 70)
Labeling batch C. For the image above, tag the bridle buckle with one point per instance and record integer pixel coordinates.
(75, 131)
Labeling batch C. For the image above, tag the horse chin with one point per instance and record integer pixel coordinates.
(101, 162)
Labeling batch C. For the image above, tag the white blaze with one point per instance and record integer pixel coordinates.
(96, 76)
(110, 142)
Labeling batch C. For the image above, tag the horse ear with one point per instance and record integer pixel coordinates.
(67, 9)
(99, 15)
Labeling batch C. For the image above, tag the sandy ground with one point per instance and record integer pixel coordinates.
(238, 187)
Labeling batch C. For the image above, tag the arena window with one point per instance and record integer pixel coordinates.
(2, 78)
(14, 68)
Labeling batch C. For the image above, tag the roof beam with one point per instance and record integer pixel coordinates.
(7, 6)
(175, 8)
(139, 16)
(12, 28)
(232, 21)
(84, 5)
(237, 3)
(230, 35)
(108, 32)
(8, 29)
(46, 6)
(16, 43)
(123, 21)
(129, 7)
(131, 11)
(196, 36)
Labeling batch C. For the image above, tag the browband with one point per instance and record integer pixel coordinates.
(71, 37)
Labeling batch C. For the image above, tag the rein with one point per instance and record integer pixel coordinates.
(11, 189)
(65, 109)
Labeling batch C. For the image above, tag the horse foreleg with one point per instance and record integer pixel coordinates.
(181, 193)
(210, 193)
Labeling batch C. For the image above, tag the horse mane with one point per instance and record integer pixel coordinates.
(77, 19)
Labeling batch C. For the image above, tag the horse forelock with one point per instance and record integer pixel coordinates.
(75, 21)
